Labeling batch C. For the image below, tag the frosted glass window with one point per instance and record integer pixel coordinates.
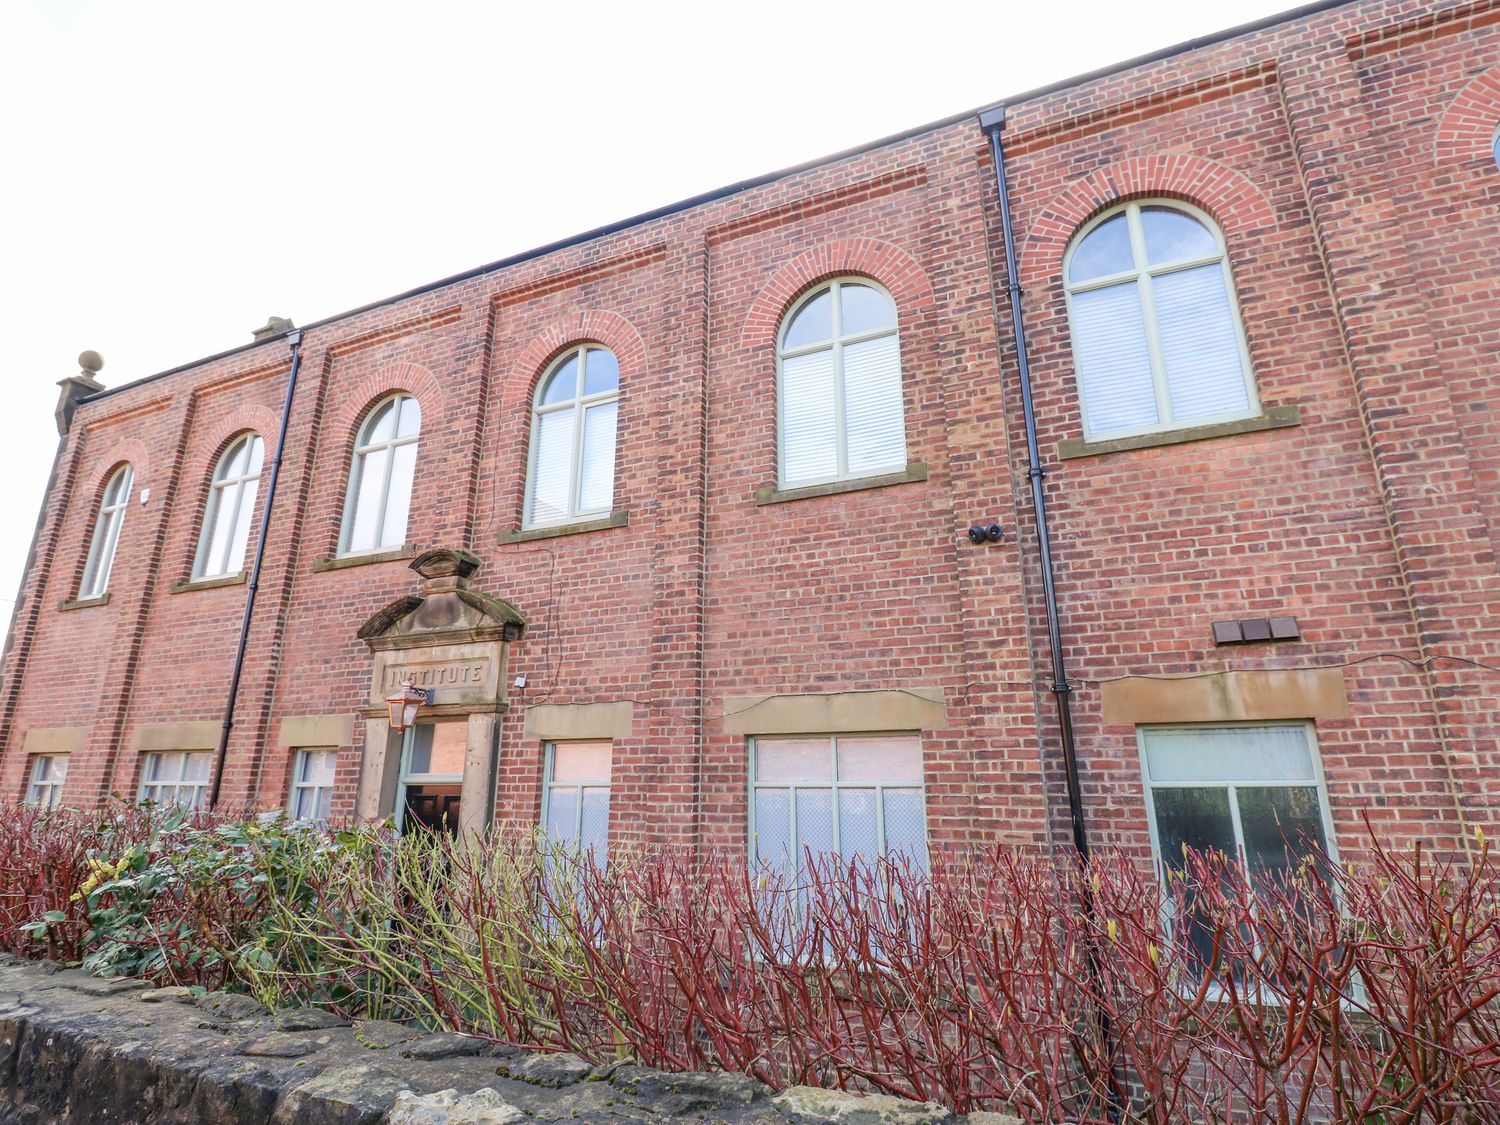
(378, 506)
(106, 537)
(1157, 338)
(179, 777)
(1252, 792)
(855, 795)
(231, 506)
(312, 783)
(840, 401)
(575, 795)
(571, 474)
(49, 772)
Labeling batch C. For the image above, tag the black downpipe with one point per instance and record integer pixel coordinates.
(295, 340)
(992, 121)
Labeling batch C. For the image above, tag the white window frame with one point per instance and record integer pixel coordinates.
(113, 503)
(179, 782)
(226, 490)
(300, 756)
(1142, 272)
(1149, 787)
(836, 344)
(579, 404)
(46, 793)
(406, 777)
(548, 785)
(362, 449)
(833, 786)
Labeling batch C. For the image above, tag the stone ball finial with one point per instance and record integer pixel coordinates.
(91, 362)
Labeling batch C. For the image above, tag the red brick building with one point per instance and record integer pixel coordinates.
(718, 465)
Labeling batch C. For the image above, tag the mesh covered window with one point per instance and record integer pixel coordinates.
(1157, 338)
(312, 783)
(575, 796)
(850, 795)
(179, 777)
(49, 772)
(106, 537)
(381, 478)
(231, 505)
(840, 398)
(571, 475)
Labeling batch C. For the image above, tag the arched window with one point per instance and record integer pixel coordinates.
(231, 504)
(1495, 148)
(1157, 339)
(385, 462)
(572, 471)
(106, 534)
(839, 394)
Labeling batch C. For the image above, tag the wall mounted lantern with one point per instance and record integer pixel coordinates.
(406, 703)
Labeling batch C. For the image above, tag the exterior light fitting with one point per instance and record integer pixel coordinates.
(406, 703)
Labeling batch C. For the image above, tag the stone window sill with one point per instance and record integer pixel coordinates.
(182, 587)
(770, 494)
(1276, 418)
(84, 603)
(340, 562)
(618, 518)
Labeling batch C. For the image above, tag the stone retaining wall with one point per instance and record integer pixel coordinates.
(79, 1050)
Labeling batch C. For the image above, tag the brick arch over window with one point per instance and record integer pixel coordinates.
(891, 266)
(102, 464)
(243, 419)
(399, 378)
(597, 326)
(1233, 201)
(1467, 129)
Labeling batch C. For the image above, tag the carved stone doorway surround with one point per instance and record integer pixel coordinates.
(454, 640)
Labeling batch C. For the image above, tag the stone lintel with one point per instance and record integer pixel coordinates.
(1300, 693)
(151, 738)
(561, 722)
(55, 740)
(316, 730)
(840, 712)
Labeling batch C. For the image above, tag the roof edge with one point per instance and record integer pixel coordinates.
(617, 227)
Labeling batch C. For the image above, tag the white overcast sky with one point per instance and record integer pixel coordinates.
(175, 172)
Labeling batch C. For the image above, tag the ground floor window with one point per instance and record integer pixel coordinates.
(432, 776)
(48, 773)
(176, 778)
(1254, 793)
(848, 795)
(312, 783)
(575, 795)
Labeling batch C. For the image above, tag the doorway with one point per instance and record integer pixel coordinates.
(432, 775)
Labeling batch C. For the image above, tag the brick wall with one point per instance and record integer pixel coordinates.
(1345, 156)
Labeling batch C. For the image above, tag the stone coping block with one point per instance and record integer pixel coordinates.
(77, 1049)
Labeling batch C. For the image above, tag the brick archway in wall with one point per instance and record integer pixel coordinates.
(597, 326)
(1467, 129)
(1234, 201)
(891, 266)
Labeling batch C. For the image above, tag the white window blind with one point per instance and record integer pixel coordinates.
(1113, 362)
(575, 797)
(381, 478)
(101, 557)
(231, 506)
(571, 475)
(841, 408)
(1157, 339)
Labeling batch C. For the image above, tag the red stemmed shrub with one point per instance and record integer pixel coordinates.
(1363, 994)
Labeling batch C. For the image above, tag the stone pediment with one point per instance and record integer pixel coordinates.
(445, 611)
